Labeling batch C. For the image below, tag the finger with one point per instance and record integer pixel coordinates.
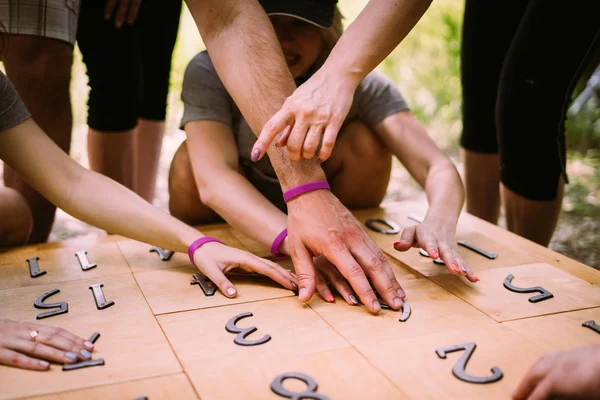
(543, 390)
(45, 352)
(311, 143)
(283, 139)
(323, 289)
(429, 244)
(218, 278)
(296, 140)
(342, 287)
(388, 268)
(121, 12)
(109, 8)
(270, 269)
(407, 238)
(531, 379)
(329, 138)
(448, 255)
(305, 271)
(467, 273)
(134, 8)
(353, 272)
(77, 341)
(14, 359)
(380, 273)
(276, 124)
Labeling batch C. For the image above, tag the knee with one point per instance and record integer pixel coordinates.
(366, 145)
(16, 216)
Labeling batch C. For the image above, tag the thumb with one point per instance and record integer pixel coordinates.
(305, 271)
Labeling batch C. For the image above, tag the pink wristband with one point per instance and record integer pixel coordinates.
(277, 244)
(305, 188)
(196, 245)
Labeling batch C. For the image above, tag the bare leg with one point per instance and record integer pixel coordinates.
(148, 144)
(360, 167)
(112, 154)
(184, 199)
(482, 182)
(533, 219)
(40, 70)
(16, 217)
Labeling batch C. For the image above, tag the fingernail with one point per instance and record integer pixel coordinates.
(455, 268)
(463, 268)
(44, 364)
(89, 345)
(397, 302)
(330, 298)
(376, 305)
(434, 254)
(303, 293)
(85, 354)
(231, 291)
(294, 285)
(401, 293)
(353, 299)
(70, 355)
(320, 161)
(255, 155)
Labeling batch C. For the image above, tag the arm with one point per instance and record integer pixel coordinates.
(104, 203)
(431, 168)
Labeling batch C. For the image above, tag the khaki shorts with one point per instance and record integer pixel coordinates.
(56, 19)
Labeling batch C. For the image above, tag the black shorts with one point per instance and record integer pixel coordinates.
(128, 68)
(520, 61)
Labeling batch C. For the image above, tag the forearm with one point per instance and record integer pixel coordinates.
(379, 28)
(234, 198)
(445, 192)
(259, 80)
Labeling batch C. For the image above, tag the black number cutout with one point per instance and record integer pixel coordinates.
(165, 255)
(83, 260)
(438, 260)
(309, 393)
(207, 286)
(83, 364)
(406, 310)
(592, 325)
(101, 302)
(544, 294)
(34, 268)
(61, 308)
(478, 250)
(372, 225)
(240, 338)
(458, 370)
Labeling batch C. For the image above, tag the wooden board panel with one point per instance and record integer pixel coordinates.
(132, 343)
(61, 264)
(340, 374)
(200, 340)
(559, 331)
(490, 296)
(433, 310)
(169, 290)
(140, 258)
(413, 365)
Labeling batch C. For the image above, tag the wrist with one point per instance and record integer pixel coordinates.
(201, 241)
(345, 76)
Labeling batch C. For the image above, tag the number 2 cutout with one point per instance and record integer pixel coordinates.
(458, 370)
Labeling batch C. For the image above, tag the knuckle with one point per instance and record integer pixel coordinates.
(355, 270)
(375, 264)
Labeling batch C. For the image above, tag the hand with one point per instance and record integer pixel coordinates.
(438, 239)
(127, 8)
(318, 107)
(573, 374)
(318, 224)
(215, 259)
(325, 274)
(52, 344)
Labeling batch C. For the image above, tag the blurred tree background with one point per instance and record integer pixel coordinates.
(426, 68)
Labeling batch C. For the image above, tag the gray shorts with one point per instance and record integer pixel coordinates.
(56, 19)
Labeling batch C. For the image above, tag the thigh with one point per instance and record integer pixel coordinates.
(156, 46)
(550, 52)
(113, 61)
(15, 214)
(488, 29)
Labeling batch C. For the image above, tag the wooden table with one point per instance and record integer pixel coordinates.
(165, 339)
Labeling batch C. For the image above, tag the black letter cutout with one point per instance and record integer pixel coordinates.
(34, 268)
(544, 294)
(165, 255)
(406, 310)
(205, 284)
(477, 250)
(372, 225)
(83, 260)
(592, 325)
(101, 302)
(63, 307)
(309, 393)
(240, 338)
(458, 370)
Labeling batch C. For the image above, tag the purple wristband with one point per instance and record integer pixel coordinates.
(277, 244)
(305, 188)
(196, 245)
